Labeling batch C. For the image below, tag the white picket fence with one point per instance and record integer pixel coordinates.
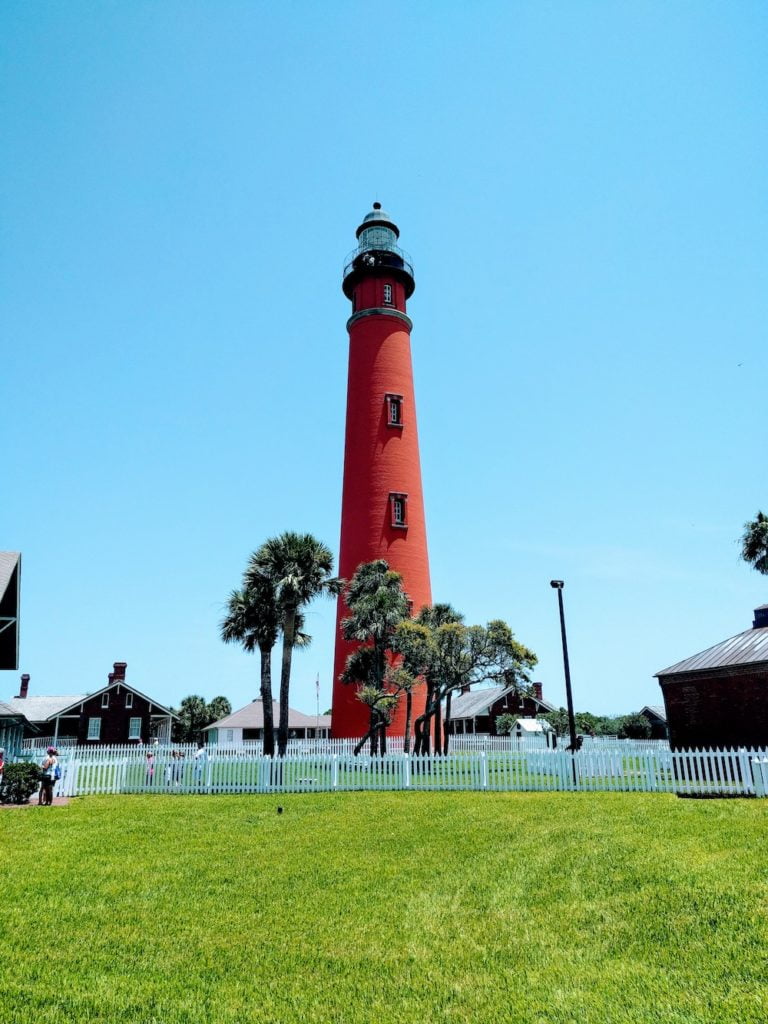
(470, 743)
(695, 773)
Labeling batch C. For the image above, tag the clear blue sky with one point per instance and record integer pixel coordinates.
(582, 189)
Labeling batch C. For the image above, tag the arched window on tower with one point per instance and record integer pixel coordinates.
(387, 294)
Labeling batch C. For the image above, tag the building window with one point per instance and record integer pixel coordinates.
(394, 410)
(105, 700)
(94, 728)
(387, 294)
(398, 504)
(134, 729)
(230, 735)
(129, 700)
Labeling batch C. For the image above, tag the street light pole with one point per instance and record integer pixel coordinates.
(558, 586)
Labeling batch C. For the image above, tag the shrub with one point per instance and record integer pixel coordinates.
(635, 727)
(505, 724)
(20, 780)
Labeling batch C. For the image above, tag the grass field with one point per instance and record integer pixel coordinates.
(388, 908)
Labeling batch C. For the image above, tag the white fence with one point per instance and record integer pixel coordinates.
(694, 773)
(301, 748)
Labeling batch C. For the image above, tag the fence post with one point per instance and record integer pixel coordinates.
(484, 769)
(406, 771)
(758, 767)
(747, 779)
(335, 772)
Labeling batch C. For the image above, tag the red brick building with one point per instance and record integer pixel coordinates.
(719, 698)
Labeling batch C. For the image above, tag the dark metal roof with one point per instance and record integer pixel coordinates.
(748, 648)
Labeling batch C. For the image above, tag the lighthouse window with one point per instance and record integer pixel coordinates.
(387, 294)
(395, 410)
(398, 506)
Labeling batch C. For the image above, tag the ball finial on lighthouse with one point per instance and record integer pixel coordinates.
(382, 513)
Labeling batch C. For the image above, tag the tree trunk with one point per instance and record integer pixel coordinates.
(418, 735)
(289, 632)
(438, 713)
(447, 721)
(373, 727)
(423, 727)
(408, 709)
(266, 700)
(374, 732)
(383, 737)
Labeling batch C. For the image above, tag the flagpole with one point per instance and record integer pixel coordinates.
(317, 719)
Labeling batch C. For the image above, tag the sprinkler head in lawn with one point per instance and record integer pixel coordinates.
(279, 810)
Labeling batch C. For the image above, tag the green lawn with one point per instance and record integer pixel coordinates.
(388, 907)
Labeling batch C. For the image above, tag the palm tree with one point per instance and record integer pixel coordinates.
(754, 543)
(298, 567)
(253, 621)
(377, 603)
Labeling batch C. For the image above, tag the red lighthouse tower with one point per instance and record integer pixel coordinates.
(382, 509)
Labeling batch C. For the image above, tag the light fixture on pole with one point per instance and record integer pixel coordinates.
(558, 586)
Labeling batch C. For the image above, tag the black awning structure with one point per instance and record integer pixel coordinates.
(10, 584)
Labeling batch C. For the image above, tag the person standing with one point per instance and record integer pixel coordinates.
(201, 759)
(48, 777)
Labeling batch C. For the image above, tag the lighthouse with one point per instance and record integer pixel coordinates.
(382, 507)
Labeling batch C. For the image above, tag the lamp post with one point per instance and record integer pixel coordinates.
(558, 586)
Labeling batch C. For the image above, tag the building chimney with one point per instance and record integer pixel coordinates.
(110, 678)
(24, 688)
(761, 618)
(538, 691)
(120, 667)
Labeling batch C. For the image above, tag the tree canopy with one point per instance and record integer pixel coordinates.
(754, 543)
(195, 714)
(377, 603)
(451, 656)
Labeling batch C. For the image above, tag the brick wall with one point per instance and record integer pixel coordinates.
(726, 707)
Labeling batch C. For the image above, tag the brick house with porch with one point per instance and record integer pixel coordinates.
(476, 711)
(116, 714)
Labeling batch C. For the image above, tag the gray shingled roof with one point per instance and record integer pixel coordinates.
(656, 709)
(252, 717)
(8, 560)
(748, 648)
(477, 702)
(39, 709)
(6, 711)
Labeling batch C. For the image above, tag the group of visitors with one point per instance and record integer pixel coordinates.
(51, 773)
(174, 769)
